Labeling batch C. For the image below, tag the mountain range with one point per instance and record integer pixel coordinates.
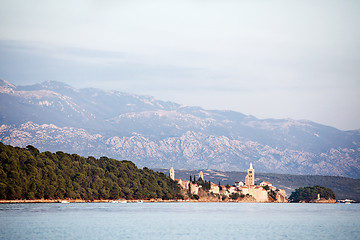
(54, 116)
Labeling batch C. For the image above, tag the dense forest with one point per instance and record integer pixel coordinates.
(31, 174)
(308, 194)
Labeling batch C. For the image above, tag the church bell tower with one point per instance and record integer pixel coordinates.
(250, 177)
(172, 173)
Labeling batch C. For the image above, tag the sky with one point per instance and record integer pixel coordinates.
(269, 59)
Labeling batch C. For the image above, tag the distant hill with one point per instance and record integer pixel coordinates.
(343, 187)
(54, 116)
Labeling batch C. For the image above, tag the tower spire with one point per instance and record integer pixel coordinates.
(250, 177)
(172, 173)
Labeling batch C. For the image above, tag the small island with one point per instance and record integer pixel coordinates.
(316, 194)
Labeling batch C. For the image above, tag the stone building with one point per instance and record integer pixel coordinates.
(263, 184)
(250, 177)
(214, 188)
(201, 175)
(191, 187)
(260, 193)
(239, 184)
(172, 173)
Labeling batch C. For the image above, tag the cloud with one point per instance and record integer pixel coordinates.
(265, 58)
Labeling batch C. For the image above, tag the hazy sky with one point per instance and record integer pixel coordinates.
(270, 59)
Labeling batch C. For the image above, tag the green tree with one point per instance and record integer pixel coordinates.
(28, 173)
(235, 196)
(308, 194)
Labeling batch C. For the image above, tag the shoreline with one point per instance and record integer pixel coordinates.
(131, 201)
(114, 201)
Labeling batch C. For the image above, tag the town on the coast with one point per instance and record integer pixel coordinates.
(28, 175)
(247, 191)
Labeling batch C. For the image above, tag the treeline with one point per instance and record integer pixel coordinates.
(31, 174)
(308, 194)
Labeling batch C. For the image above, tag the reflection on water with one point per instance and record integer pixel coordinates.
(179, 221)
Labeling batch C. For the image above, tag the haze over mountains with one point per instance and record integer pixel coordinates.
(54, 116)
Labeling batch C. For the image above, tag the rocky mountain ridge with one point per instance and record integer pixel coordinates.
(54, 116)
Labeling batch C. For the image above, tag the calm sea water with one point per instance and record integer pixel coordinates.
(179, 221)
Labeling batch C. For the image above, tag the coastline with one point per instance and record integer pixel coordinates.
(16, 201)
(2, 201)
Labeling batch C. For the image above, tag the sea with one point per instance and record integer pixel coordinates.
(187, 220)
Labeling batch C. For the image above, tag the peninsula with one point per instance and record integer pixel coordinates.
(28, 175)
